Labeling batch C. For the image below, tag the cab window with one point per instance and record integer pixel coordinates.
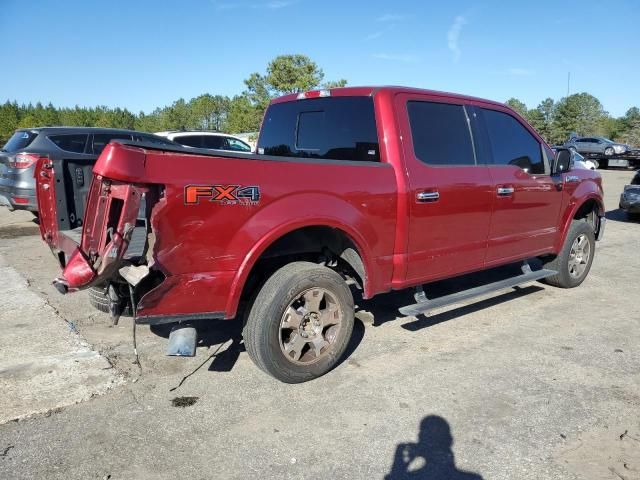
(512, 144)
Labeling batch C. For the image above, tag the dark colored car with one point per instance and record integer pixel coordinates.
(630, 198)
(76, 147)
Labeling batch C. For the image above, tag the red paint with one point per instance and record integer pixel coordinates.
(78, 273)
(206, 249)
(46, 198)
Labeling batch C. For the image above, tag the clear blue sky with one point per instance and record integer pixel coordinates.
(141, 54)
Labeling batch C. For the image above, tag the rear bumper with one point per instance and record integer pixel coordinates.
(18, 198)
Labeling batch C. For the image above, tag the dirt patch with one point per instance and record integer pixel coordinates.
(14, 231)
(184, 402)
(610, 452)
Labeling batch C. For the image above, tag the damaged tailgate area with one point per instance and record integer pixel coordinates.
(114, 233)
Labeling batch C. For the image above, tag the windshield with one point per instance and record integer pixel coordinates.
(19, 140)
(606, 140)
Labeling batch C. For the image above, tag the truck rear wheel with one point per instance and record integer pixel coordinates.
(574, 260)
(300, 323)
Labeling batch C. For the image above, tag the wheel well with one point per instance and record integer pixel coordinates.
(589, 211)
(318, 244)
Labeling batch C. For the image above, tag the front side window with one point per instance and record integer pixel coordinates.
(330, 128)
(236, 145)
(101, 140)
(70, 143)
(440, 133)
(512, 143)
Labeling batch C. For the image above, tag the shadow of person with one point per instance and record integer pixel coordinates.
(431, 458)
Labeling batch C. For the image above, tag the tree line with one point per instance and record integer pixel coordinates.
(581, 113)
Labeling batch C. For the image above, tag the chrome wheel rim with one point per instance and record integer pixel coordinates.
(310, 326)
(608, 151)
(579, 256)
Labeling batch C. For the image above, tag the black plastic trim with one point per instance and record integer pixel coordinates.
(250, 156)
(162, 319)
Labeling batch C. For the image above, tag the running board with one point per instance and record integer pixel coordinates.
(426, 305)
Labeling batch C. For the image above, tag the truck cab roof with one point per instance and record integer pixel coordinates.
(374, 90)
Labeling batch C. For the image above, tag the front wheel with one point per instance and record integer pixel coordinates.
(574, 260)
(300, 322)
(608, 151)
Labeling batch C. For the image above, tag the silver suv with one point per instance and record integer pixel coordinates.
(77, 148)
(597, 146)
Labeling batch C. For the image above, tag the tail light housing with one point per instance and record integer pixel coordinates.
(23, 160)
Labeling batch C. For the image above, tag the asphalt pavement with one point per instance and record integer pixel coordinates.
(531, 383)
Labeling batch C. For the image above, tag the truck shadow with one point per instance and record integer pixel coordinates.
(431, 457)
(223, 338)
(618, 215)
(384, 308)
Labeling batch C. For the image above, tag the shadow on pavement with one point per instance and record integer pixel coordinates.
(384, 308)
(226, 336)
(431, 457)
(619, 215)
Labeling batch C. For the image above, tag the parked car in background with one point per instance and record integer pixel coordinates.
(597, 146)
(630, 198)
(77, 147)
(208, 140)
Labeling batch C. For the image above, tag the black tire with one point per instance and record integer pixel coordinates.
(561, 262)
(633, 216)
(99, 299)
(263, 330)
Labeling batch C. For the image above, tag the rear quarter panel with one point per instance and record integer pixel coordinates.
(207, 238)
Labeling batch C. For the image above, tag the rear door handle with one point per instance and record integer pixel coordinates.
(505, 191)
(424, 197)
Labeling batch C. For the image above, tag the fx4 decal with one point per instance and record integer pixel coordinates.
(224, 194)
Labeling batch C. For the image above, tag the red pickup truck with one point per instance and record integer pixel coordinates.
(372, 188)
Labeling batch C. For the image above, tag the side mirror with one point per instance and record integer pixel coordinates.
(563, 161)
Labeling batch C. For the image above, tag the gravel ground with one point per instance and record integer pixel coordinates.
(533, 383)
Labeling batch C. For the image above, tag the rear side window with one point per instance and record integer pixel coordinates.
(337, 128)
(512, 143)
(441, 134)
(214, 141)
(70, 143)
(155, 139)
(189, 140)
(101, 140)
(19, 140)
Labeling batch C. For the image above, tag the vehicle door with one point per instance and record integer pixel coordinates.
(450, 193)
(526, 199)
(590, 145)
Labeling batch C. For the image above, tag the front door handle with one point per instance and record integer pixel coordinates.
(505, 191)
(424, 197)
